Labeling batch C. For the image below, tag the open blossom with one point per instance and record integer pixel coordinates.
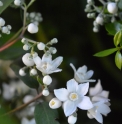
(82, 75)
(97, 93)
(46, 65)
(73, 97)
(99, 109)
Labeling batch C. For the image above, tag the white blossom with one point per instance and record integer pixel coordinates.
(22, 72)
(99, 109)
(72, 119)
(41, 46)
(45, 92)
(1, 3)
(2, 22)
(32, 28)
(82, 75)
(73, 97)
(99, 20)
(112, 7)
(55, 103)
(47, 80)
(46, 65)
(33, 72)
(17, 2)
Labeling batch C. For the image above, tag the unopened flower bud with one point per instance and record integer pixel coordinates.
(5, 30)
(33, 72)
(99, 20)
(88, 15)
(26, 47)
(24, 40)
(2, 22)
(17, 2)
(1, 3)
(32, 28)
(22, 72)
(47, 80)
(41, 46)
(52, 50)
(95, 29)
(112, 7)
(72, 119)
(54, 40)
(55, 103)
(45, 92)
(27, 59)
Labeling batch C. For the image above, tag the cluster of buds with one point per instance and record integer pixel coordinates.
(100, 14)
(34, 17)
(97, 103)
(45, 64)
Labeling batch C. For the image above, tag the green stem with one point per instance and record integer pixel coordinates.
(31, 2)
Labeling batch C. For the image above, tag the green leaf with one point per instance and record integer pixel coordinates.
(113, 28)
(120, 4)
(118, 59)
(118, 38)
(6, 3)
(105, 52)
(14, 51)
(27, 79)
(45, 115)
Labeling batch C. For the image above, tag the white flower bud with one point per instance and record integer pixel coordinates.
(5, 30)
(47, 80)
(72, 119)
(95, 29)
(55, 103)
(99, 20)
(32, 14)
(32, 28)
(9, 27)
(88, 15)
(26, 47)
(45, 92)
(23, 40)
(41, 46)
(54, 40)
(112, 7)
(2, 22)
(1, 3)
(35, 54)
(17, 2)
(27, 59)
(33, 72)
(22, 72)
(52, 50)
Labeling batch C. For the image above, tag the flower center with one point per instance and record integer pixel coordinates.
(52, 103)
(44, 65)
(73, 96)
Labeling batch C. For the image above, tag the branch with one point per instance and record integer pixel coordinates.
(24, 105)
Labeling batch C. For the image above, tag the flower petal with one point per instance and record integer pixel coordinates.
(61, 94)
(73, 67)
(47, 58)
(82, 69)
(85, 104)
(83, 88)
(69, 107)
(72, 85)
(56, 62)
(89, 74)
(104, 94)
(37, 60)
(104, 109)
(99, 98)
(95, 90)
(99, 117)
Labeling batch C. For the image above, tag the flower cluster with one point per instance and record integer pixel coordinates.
(75, 97)
(45, 64)
(105, 13)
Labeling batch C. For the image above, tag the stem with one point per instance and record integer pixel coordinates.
(31, 41)
(24, 105)
(102, 2)
(31, 2)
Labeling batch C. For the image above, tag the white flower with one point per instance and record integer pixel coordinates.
(97, 93)
(112, 7)
(26, 121)
(73, 97)
(27, 59)
(32, 28)
(98, 109)
(72, 119)
(55, 103)
(81, 75)
(46, 65)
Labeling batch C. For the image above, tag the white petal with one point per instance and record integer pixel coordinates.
(89, 74)
(54, 71)
(99, 98)
(85, 104)
(72, 85)
(61, 94)
(56, 62)
(47, 58)
(104, 94)
(37, 60)
(69, 107)
(73, 67)
(89, 115)
(104, 109)
(83, 88)
(82, 69)
(99, 117)
(95, 90)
